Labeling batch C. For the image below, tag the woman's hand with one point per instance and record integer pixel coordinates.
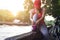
(37, 22)
(32, 22)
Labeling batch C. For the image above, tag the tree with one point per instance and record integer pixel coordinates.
(6, 16)
(28, 5)
(48, 6)
(22, 16)
(53, 7)
(56, 8)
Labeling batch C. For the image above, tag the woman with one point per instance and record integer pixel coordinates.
(34, 12)
(39, 23)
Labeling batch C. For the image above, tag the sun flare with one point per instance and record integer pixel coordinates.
(12, 5)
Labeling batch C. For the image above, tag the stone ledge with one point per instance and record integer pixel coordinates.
(27, 36)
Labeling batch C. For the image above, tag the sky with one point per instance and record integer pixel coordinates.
(12, 5)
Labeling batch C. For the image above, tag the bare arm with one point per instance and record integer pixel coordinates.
(31, 17)
(31, 14)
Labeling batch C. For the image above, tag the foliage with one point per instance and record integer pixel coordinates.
(22, 16)
(49, 23)
(48, 6)
(6, 15)
(28, 4)
(49, 20)
(54, 7)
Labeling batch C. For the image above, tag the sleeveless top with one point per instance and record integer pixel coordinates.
(39, 16)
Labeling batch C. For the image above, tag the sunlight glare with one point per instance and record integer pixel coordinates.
(33, 1)
(12, 5)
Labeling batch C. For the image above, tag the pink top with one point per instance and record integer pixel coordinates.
(39, 16)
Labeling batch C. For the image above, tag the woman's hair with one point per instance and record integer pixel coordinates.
(37, 4)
